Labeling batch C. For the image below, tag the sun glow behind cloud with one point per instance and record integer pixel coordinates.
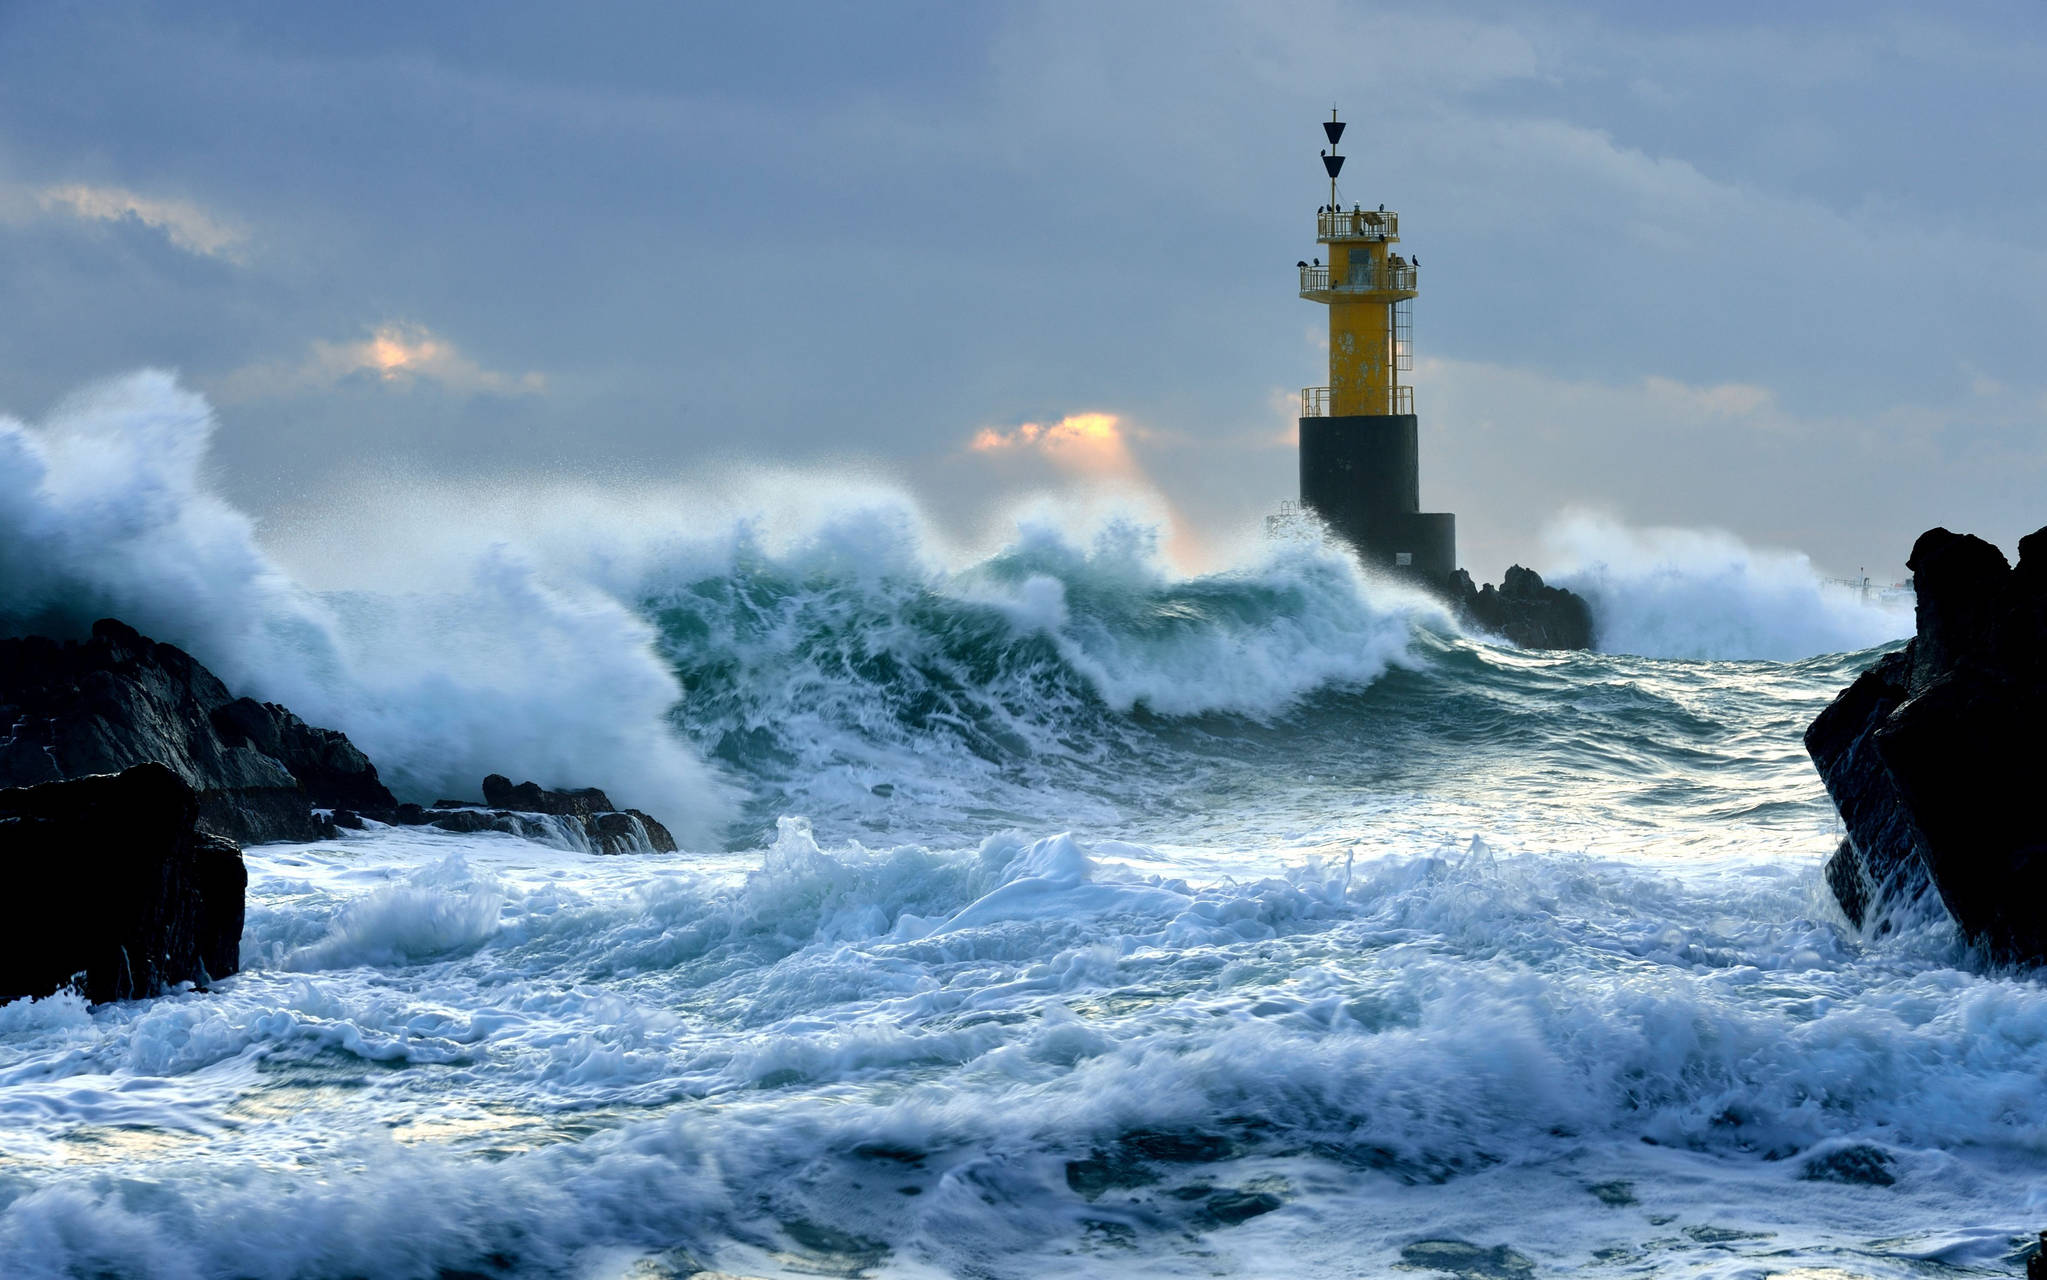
(395, 353)
(1084, 444)
(399, 352)
(1096, 447)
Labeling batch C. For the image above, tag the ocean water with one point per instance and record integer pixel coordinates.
(1044, 912)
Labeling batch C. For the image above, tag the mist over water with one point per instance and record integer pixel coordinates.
(1043, 912)
(107, 510)
(572, 644)
(1691, 593)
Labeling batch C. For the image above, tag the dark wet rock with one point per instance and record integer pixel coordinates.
(333, 772)
(347, 820)
(827, 1250)
(615, 833)
(119, 699)
(2035, 1255)
(909, 1157)
(629, 831)
(1935, 756)
(1130, 1161)
(1230, 1207)
(115, 888)
(1709, 1234)
(1415, 1168)
(465, 820)
(1106, 1234)
(610, 829)
(1466, 1261)
(530, 797)
(1101, 1172)
(1525, 610)
(1614, 1195)
(1858, 1165)
(1176, 1146)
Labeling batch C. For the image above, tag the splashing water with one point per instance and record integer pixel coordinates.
(1065, 916)
(1689, 593)
(105, 511)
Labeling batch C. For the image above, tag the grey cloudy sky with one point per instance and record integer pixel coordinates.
(1776, 269)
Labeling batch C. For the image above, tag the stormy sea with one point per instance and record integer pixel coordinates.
(1043, 910)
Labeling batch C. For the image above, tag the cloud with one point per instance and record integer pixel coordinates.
(1085, 444)
(395, 354)
(1506, 446)
(184, 224)
(1726, 400)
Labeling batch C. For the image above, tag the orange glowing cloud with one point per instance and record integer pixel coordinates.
(1086, 444)
(398, 354)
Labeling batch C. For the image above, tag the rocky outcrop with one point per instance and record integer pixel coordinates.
(1525, 610)
(114, 888)
(259, 772)
(323, 761)
(579, 819)
(120, 699)
(1937, 755)
(613, 829)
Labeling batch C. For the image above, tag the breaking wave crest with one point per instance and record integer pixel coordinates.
(573, 659)
(818, 651)
(1701, 593)
(106, 509)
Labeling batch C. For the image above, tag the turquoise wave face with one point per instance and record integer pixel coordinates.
(1058, 683)
(847, 666)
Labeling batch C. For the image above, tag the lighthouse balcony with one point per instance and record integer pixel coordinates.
(1372, 401)
(1390, 281)
(1357, 224)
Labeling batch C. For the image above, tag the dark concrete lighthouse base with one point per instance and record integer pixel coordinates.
(1362, 475)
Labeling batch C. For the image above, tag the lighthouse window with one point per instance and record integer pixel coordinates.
(1361, 269)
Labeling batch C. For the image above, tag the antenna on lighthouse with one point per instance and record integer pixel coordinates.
(1330, 161)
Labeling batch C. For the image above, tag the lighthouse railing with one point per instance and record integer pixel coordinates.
(1357, 224)
(1370, 401)
(1395, 277)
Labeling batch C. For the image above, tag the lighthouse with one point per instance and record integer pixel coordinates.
(1360, 458)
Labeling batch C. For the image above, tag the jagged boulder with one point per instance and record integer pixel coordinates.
(120, 699)
(1937, 755)
(333, 772)
(583, 818)
(531, 797)
(113, 886)
(609, 828)
(1525, 610)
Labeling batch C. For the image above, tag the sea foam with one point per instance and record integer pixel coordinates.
(1701, 593)
(106, 509)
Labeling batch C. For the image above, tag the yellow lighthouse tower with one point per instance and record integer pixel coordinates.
(1369, 290)
(1360, 465)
